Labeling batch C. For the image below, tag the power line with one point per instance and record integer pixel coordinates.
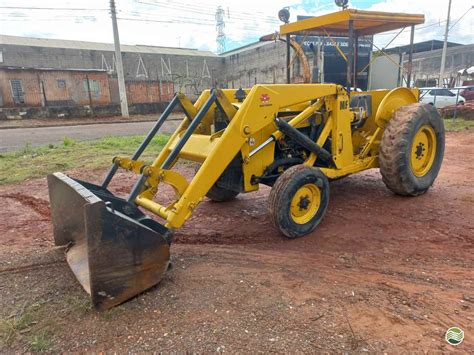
(62, 17)
(200, 21)
(202, 11)
(437, 23)
(50, 8)
(459, 19)
(254, 30)
(248, 29)
(176, 19)
(210, 8)
(161, 21)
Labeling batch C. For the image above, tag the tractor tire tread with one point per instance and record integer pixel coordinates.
(395, 149)
(278, 201)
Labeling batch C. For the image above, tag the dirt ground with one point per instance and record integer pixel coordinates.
(381, 273)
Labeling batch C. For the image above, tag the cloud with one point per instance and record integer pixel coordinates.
(192, 24)
(435, 12)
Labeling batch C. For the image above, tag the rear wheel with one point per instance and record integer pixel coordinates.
(219, 194)
(412, 149)
(298, 200)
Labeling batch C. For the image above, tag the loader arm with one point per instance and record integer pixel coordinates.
(245, 129)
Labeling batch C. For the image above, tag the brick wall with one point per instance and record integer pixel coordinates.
(141, 92)
(30, 88)
(54, 88)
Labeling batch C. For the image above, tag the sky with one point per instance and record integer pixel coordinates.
(184, 23)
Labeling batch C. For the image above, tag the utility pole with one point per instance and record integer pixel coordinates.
(118, 59)
(445, 48)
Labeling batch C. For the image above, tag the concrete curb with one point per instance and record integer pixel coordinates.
(80, 124)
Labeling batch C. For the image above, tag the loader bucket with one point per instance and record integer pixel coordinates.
(114, 250)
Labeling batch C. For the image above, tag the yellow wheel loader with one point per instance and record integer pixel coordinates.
(292, 137)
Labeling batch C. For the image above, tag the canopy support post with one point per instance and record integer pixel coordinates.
(356, 55)
(288, 54)
(350, 56)
(410, 55)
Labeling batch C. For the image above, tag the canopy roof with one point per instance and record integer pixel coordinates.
(364, 23)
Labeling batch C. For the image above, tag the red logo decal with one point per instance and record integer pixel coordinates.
(264, 98)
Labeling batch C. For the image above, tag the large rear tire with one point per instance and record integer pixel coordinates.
(298, 200)
(412, 149)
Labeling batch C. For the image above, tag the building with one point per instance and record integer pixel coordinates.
(419, 47)
(259, 62)
(34, 87)
(189, 70)
(427, 65)
(427, 62)
(50, 72)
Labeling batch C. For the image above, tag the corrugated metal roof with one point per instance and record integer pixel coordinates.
(95, 46)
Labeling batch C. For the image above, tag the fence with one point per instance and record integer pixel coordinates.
(449, 102)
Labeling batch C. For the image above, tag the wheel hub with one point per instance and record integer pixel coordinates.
(420, 148)
(423, 151)
(305, 203)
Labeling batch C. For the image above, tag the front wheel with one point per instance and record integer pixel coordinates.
(298, 200)
(412, 149)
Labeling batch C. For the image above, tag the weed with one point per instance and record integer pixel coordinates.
(10, 328)
(81, 306)
(68, 141)
(41, 341)
(26, 149)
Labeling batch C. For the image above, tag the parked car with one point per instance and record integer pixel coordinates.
(467, 92)
(440, 97)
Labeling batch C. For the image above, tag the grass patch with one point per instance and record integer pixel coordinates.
(38, 162)
(10, 328)
(29, 327)
(40, 342)
(81, 306)
(67, 142)
(458, 124)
